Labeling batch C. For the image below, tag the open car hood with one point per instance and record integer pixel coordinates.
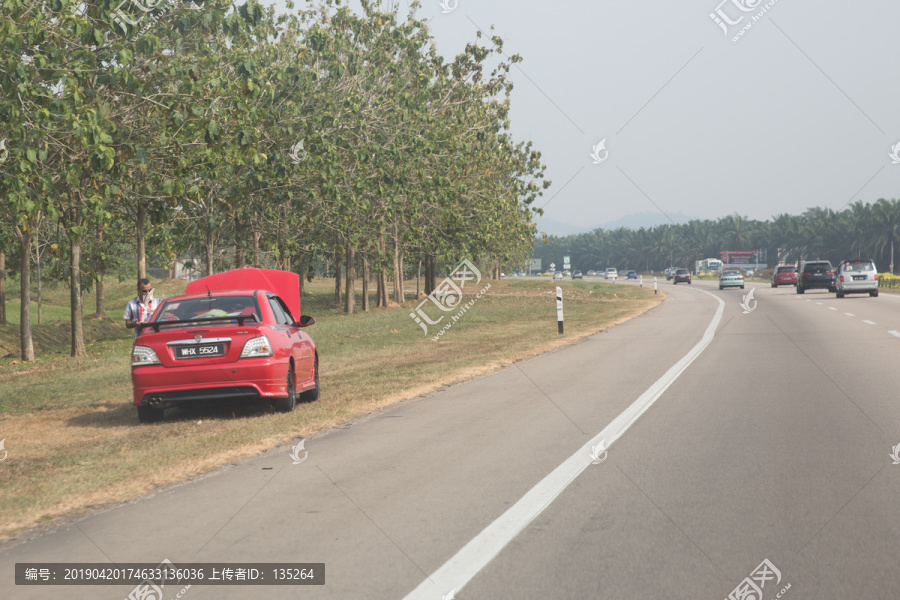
(282, 283)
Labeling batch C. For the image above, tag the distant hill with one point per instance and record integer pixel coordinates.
(633, 221)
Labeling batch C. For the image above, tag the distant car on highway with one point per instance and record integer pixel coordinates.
(731, 278)
(815, 274)
(681, 275)
(784, 275)
(611, 273)
(558, 275)
(577, 275)
(631, 275)
(856, 277)
(591, 273)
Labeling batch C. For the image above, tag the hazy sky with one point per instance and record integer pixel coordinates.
(801, 111)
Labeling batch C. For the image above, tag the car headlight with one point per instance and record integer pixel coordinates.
(143, 355)
(256, 347)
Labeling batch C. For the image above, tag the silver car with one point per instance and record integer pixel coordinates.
(856, 277)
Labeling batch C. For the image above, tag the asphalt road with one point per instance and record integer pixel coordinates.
(735, 438)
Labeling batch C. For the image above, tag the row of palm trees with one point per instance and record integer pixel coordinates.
(859, 230)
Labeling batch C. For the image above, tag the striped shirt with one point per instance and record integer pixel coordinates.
(135, 311)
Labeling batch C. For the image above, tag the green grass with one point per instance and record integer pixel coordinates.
(74, 440)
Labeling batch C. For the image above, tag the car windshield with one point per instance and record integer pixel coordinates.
(682, 271)
(731, 273)
(816, 268)
(206, 307)
(786, 269)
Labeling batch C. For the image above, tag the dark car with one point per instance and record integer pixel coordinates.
(815, 274)
(682, 275)
(631, 275)
(784, 275)
(577, 275)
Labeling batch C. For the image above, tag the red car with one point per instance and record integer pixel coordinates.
(231, 335)
(784, 275)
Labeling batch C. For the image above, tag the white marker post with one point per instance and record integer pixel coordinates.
(654, 285)
(559, 315)
(642, 279)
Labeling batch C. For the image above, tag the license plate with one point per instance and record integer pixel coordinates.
(859, 278)
(200, 351)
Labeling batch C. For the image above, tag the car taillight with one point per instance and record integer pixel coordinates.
(256, 347)
(829, 272)
(842, 278)
(143, 355)
(876, 277)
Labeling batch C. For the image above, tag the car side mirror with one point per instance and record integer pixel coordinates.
(305, 321)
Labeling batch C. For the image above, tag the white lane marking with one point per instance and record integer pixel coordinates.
(808, 300)
(484, 547)
(895, 333)
(868, 322)
(831, 308)
(850, 314)
(819, 303)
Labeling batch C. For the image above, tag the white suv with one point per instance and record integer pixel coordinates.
(856, 277)
(611, 273)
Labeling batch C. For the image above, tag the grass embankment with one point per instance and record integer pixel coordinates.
(73, 436)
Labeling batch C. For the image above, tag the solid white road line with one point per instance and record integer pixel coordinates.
(868, 322)
(831, 308)
(474, 556)
(819, 303)
(894, 333)
(850, 314)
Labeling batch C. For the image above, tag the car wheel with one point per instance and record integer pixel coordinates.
(774, 286)
(674, 283)
(288, 404)
(873, 293)
(742, 287)
(800, 289)
(720, 287)
(689, 283)
(839, 294)
(313, 394)
(149, 414)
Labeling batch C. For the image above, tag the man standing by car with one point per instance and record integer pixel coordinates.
(141, 308)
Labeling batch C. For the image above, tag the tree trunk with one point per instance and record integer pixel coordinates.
(301, 270)
(239, 244)
(350, 294)
(209, 251)
(398, 276)
(256, 235)
(75, 305)
(101, 272)
(3, 320)
(365, 283)
(141, 247)
(418, 279)
(27, 344)
(37, 263)
(337, 276)
(430, 273)
(381, 277)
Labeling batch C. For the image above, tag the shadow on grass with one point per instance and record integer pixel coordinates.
(220, 410)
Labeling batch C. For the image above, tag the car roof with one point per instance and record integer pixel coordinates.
(284, 284)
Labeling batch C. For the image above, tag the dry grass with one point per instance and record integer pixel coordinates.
(73, 437)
